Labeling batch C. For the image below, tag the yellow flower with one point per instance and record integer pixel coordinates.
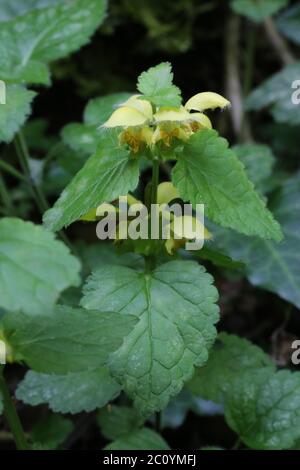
(143, 126)
(182, 229)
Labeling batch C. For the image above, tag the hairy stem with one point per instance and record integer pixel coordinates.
(11, 415)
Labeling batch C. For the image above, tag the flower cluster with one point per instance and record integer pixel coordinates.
(143, 124)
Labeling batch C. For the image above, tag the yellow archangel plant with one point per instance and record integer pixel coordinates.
(143, 123)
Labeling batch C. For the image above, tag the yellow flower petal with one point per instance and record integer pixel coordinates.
(166, 192)
(206, 100)
(143, 106)
(169, 114)
(202, 120)
(190, 228)
(126, 117)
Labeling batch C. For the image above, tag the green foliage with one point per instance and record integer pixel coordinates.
(207, 173)
(86, 137)
(177, 312)
(257, 10)
(273, 266)
(118, 421)
(262, 406)
(157, 86)
(29, 42)
(84, 339)
(258, 161)
(110, 172)
(15, 111)
(74, 392)
(288, 23)
(13, 8)
(51, 431)
(142, 439)
(35, 264)
(276, 93)
(229, 358)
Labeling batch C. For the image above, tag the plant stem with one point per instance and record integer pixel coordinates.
(279, 45)
(5, 196)
(155, 179)
(151, 259)
(11, 415)
(23, 155)
(37, 193)
(12, 171)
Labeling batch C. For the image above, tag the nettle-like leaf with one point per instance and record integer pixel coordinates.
(176, 307)
(156, 84)
(257, 10)
(288, 23)
(277, 92)
(15, 111)
(71, 393)
(35, 268)
(118, 421)
(208, 172)
(111, 171)
(68, 340)
(43, 35)
(229, 357)
(51, 431)
(142, 439)
(272, 266)
(259, 161)
(263, 408)
(85, 137)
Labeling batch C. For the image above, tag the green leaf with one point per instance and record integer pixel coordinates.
(229, 357)
(15, 111)
(142, 439)
(156, 84)
(51, 431)
(288, 23)
(272, 266)
(87, 136)
(177, 312)
(209, 173)
(107, 174)
(12, 8)
(277, 92)
(43, 35)
(263, 408)
(68, 340)
(218, 259)
(257, 10)
(35, 268)
(118, 421)
(71, 393)
(258, 161)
